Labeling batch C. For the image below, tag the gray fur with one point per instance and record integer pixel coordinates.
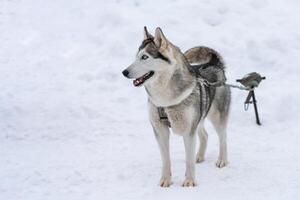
(185, 99)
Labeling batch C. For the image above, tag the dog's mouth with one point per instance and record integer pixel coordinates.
(139, 81)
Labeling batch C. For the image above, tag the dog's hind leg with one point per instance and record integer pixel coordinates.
(222, 133)
(203, 143)
(218, 115)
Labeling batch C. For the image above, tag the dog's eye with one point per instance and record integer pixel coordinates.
(144, 57)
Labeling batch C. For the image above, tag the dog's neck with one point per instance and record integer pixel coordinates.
(170, 88)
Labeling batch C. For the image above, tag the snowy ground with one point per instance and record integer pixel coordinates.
(73, 128)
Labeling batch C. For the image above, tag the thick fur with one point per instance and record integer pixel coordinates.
(185, 99)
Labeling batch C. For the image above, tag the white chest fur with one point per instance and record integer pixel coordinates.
(166, 97)
(170, 89)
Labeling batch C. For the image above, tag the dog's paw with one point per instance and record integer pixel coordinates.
(165, 182)
(189, 182)
(221, 163)
(199, 159)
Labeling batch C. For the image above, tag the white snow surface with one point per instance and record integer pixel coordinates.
(73, 128)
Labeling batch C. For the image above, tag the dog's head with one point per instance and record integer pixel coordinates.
(154, 56)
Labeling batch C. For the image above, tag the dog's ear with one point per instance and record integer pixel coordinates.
(147, 35)
(160, 40)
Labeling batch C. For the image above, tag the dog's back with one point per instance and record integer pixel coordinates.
(213, 71)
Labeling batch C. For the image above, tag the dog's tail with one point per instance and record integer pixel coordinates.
(205, 57)
(214, 61)
(207, 64)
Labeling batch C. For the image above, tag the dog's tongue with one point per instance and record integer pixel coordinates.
(138, 81)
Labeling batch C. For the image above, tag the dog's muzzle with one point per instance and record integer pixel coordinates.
(140, 80)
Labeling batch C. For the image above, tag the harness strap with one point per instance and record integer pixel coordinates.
(211, 98)
(200, 96)
(163, 116)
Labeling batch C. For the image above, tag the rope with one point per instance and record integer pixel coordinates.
(220, 83)
(239, 87)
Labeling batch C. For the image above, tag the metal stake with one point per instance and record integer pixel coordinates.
(248, 101)
(255, 108)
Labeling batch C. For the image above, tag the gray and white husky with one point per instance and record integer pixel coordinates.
(186, 101)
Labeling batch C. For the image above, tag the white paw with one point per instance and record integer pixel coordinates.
(165, 182)
(189, 182)
(199, 159)
(221, 163)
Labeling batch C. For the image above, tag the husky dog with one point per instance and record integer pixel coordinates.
(171, 85)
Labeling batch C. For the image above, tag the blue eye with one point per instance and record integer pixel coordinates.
(144, 57)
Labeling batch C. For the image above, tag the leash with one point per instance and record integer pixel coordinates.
(223, 83)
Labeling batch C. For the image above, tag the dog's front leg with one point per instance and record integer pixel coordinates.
(162, 136)
(162, 133)
(189, 144)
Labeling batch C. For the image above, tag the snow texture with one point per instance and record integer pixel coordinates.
(73, 128)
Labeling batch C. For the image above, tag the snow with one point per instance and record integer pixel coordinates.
(73, 128)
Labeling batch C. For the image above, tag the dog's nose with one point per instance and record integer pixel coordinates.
(125, 73)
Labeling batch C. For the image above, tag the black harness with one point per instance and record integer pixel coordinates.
(209, 94)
